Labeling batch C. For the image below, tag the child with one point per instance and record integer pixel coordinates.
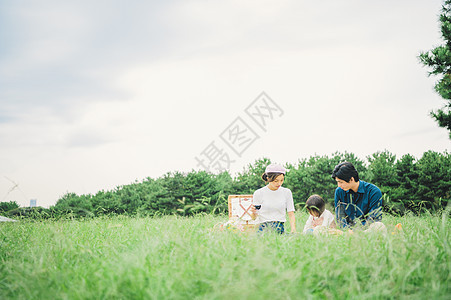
(320, 217)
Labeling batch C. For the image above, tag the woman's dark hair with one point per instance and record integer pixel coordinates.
(316, 203)
(345, 171)
(268, 177)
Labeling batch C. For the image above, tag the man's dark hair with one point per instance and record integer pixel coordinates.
(316, 203)
(345, 171)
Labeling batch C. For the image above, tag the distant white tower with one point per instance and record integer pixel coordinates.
(33, 203)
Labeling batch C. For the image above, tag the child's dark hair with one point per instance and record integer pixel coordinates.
(345, 171)
(315, 203)
(268, 177)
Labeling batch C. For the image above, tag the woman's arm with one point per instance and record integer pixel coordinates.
(253, 212)
(292, 221)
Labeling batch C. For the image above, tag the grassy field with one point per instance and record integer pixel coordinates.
(183, 258)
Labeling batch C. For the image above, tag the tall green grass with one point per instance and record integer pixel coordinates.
(184, 258)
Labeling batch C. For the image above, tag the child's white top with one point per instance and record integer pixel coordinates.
(328, 219)
(275, 204)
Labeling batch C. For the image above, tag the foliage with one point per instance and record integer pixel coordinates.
(382, 170)
(439, 60)
(30, 212)
(434, 177)
(7, 206)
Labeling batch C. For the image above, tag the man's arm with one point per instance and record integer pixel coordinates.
(340, 209)
(374, 206)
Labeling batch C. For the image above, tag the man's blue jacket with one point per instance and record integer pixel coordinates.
(364, 205)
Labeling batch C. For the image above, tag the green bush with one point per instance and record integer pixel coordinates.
(7, 206)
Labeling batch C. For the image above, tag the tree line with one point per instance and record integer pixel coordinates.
(407, 184)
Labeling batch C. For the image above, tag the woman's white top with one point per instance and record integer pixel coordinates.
(328, 219)
(275, 204)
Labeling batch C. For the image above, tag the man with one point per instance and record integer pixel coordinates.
(355, 200)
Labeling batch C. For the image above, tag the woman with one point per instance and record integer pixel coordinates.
(272, 202)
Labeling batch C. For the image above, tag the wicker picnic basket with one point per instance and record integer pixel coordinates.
(240, 211)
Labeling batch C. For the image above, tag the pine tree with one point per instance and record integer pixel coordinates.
(439, 59)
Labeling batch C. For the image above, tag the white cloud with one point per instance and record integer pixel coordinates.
(114, 95)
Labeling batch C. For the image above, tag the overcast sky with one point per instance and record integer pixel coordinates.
(98, 94)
